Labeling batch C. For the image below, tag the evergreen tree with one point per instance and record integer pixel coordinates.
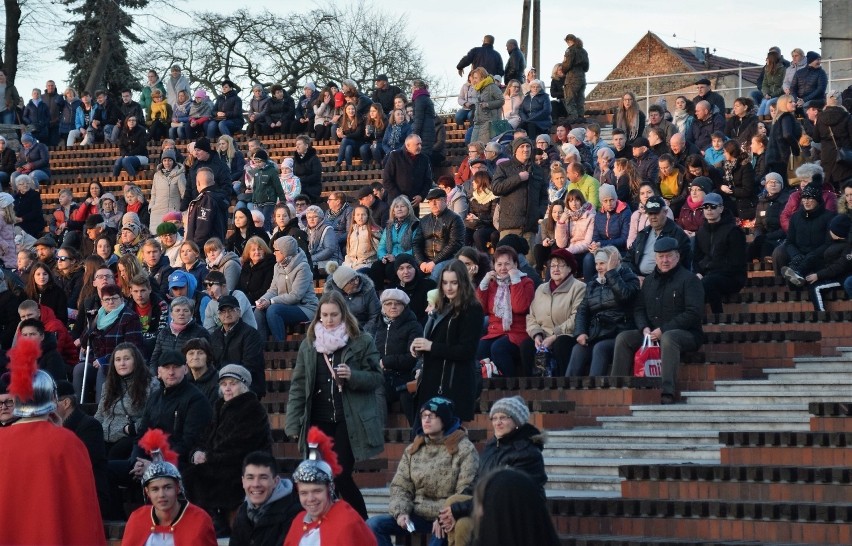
(96, 49)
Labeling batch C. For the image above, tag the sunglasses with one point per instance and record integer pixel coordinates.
(209, 284)
(711, 207)
(63, 258)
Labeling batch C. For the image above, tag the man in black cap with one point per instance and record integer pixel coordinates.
(378, 208)
(440, 236)
(227, 113)
(408, 172)
(45, 248)
(236, 341)
(716, 100)
(810, 82)
(669, 309)
(641, 257)
(205, 158)
(484, 56)
(720, 253)
(385, 93)
(522, 188)
(95, 227)
(645, 160)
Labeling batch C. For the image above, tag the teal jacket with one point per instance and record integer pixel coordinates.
(364, 404)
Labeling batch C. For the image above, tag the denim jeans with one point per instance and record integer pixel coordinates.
(178, 133)
(348, 146)
(279, 316)
(502, 352)
(369, 152)
(847, 285)
(463, 115)
(225, 127)
(598, 354)
(129, 163)
(4, 180)
(385, 526)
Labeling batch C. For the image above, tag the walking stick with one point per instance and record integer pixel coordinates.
(85, 372)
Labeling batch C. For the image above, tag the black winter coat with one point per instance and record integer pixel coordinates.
(604, 311)
(167, 341)
(208, 384)
(721, 248)
(52, 362)
(293, 230)
(449, 368)
(808, 234)
(236, 243)
(28, 208)
(700, 131)
(207, 216)
(522, 203)
(486, 57)
(309, 170)
(239, 427)
(767, 220)
(742, 184)
(521, 450)
(836, 263)
(182, 411)
(670, 229)
(255, 279)
(406, 175)
(91, 433)
(133, 142)
(783, 139)
(56, 299)
(837, 123)
(741, 129)
(393, 340)
(221, 174)
(671, 301)
(280, 110)
(271, 526)
(416, 291)
(242, 345)
(648, 167)
(439, 237)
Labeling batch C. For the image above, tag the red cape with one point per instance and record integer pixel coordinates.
(193, 528)
(342, 525)
(47, 487)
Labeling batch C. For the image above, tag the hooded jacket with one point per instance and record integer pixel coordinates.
(167, 191)
(293, 284)
(612, 228)
(364, 303)
(309, 170)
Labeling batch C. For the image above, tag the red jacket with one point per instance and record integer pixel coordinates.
(64, 343)
(192, 528)
(521, 296)
(341, 525)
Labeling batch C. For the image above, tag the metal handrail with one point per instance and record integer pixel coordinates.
(647, 96)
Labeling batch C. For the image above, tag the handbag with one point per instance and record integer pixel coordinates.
(844, 155)
(500, 126)
(646, 362)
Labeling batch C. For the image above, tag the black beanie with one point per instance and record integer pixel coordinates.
(840, 226)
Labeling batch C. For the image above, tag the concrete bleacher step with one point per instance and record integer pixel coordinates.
(622, 436)
(639, 449)
(699, 422)
(559, 484)
(823, 392)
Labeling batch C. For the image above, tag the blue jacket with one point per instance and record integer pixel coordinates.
(612, 228)
(394, 140)
(80, 117)
(68, 116)
(536, 109)
(809, 83)
(38, 116)
(397, 240)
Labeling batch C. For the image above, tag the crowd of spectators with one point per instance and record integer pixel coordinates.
(547, 251)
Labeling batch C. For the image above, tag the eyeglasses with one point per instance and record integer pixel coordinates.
(500, 418)
(111, 298)
(711, 207)
(226, 309)
(427, 416)
(102, 277)
(211, 283)
(9, 404)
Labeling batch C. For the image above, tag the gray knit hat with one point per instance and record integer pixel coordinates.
(514, 407)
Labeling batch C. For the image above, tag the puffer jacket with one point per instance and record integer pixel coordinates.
(783, 139)
(293, 284)
(68, 117)
(605, 310)
(554, 312)
(439, 237)
(808, 234)
(340, 221)
(231, 105)
(167, 191)
(576, 235)
(322, 243)
(134, 142)
(364, 303)
(721, 248)
(430, 472)
(361, 246)
(794, 203)
(169, 341)
(536, 109)
(612, 228)
(522, 203)
(393, 340)
(520, 449)
(259, 107)
(281, 110)
(809, 83)
(397, 238)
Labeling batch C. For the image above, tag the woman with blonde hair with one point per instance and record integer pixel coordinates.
(232, 157)
(783, 137)
(513, 98)
(362, 240)
(128, 267)
(629, 117)
(256, 274)
(488, 106)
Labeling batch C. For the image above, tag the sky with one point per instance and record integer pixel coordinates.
(447, 29)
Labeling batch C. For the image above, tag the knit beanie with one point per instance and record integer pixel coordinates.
(166, 228)
(203, 144)
(518, 142)
(441, 407)
(840, 226)
(812, 191)
(286, 245)
(341, 274)
(402, 259)
(607, 191)
(579, 133)
(514, 407)
(812, 56)
(168, 154)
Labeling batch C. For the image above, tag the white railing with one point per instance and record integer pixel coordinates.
(643, 90)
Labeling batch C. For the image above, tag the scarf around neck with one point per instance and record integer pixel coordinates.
(482, 83)
(106, 319)
(328, 340)
(503, 302)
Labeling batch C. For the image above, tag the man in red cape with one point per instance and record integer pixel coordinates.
(46, 474)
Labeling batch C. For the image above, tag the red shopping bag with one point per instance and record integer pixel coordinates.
(646, 362)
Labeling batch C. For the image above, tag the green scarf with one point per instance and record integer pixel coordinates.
(105, 320)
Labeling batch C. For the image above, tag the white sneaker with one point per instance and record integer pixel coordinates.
(792, 277)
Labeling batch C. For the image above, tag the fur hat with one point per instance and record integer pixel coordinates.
(341, 274)
(395, 294)
(514, 407)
